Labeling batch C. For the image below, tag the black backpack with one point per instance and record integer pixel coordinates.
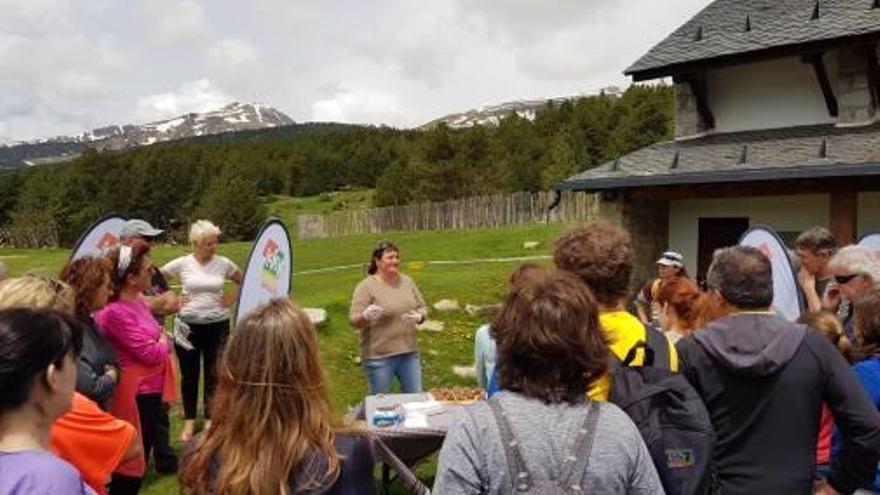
(669, 414)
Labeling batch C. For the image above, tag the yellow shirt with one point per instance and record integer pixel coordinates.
(623, 331)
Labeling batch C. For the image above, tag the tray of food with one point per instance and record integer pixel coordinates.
(457, 395)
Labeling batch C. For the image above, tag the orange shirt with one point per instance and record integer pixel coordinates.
(92, 440)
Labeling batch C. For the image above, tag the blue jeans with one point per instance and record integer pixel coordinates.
(406, 367)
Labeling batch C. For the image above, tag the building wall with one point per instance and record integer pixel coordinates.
(783, 213)
(869, 212)
(766, 95)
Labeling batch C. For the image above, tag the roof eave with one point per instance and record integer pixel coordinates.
(719, 176)
(657, 72)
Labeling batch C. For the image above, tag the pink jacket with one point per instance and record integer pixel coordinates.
(134, 335)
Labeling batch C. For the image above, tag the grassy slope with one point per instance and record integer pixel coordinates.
(469, 283)
(287, 208)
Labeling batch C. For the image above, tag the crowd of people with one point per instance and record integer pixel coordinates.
(86, 374)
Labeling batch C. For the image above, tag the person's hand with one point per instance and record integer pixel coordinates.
(824, 488)
(413, 317)
(172, 302)
(229, 300)
(373, 312)
(110, 371)
(831, 298)
(806, 280)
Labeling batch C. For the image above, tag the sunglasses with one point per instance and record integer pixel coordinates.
(843, 279)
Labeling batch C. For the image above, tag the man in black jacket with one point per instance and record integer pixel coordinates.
(764, 381)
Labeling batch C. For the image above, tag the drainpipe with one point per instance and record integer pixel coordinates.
(557, 198)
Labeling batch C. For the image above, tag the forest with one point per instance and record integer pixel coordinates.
(228, 178)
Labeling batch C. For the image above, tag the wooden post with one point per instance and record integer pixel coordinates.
(844, 216)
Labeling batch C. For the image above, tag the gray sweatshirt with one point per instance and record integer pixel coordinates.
(472, 460)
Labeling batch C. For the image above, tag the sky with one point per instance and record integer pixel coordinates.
(67, 66)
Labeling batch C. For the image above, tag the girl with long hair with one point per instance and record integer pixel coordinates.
(272, 430)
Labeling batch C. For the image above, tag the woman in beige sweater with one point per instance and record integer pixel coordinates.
(386, 307)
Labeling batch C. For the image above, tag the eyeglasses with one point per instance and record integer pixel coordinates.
(844, 279)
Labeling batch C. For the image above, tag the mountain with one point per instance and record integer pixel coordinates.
(492, 114)
(231, 118)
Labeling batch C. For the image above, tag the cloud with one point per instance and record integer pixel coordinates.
(237, 65)
(179, 22)
(357, 105)
(194, 96)
(66, 66)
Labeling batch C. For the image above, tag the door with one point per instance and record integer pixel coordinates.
(716, 233)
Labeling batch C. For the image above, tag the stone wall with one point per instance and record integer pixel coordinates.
(856, 106)
(648, 224)
(687, 119)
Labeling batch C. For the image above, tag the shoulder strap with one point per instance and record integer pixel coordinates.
(520, 478)
(660, 345)
(577, 461)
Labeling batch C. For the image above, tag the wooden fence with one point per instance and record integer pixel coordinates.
(498, 210)
(34, 237)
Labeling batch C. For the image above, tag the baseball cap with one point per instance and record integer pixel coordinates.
(139, 228)
(671, 258)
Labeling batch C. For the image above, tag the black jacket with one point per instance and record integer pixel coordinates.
(96, 354)
(764, 380)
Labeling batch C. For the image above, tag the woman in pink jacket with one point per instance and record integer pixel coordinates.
(137, 339)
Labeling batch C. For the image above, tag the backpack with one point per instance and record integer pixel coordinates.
(572, 467)
(669, 414)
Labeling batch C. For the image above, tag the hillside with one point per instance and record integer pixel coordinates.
(231, 118)
(525, 109)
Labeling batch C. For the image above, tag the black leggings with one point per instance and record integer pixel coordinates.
(149, 406)
(207, 341)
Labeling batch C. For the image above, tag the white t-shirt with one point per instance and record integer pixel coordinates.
(203, 287)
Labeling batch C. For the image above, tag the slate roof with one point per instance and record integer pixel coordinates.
(794, 152)
(720, 30)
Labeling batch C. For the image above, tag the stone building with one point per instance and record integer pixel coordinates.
(776, 123)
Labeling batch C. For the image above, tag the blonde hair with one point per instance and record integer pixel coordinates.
(857, 260)
(827, 324)
(201, 229)
(36, 292)
(270, 414)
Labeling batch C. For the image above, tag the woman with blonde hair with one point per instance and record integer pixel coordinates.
(35, 291)
(203, 319)
(272, 430)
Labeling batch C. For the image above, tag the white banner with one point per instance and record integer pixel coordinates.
(871, 240)
(786, 292)
(99, 238)
(268, 270)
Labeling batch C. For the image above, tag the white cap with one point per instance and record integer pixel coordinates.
(671, 258)
(139, 228)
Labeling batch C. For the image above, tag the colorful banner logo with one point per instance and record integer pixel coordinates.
(273, 259)
(268, 270)
(99, 238)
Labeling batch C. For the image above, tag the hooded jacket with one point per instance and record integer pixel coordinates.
(764, 380)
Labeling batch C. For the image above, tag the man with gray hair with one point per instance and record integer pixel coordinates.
(764, 380)
(814, 248)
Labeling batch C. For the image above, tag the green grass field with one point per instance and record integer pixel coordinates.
(476, 283)
(287, 208)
